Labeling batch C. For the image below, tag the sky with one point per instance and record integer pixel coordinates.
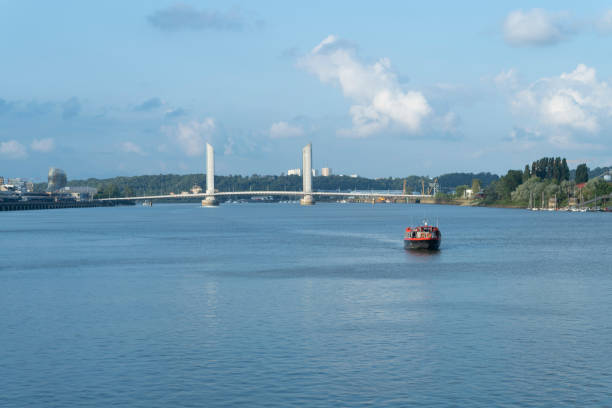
(391, 88)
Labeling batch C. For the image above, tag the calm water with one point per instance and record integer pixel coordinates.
(279, 305)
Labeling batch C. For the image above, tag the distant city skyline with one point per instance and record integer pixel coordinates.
(391, 89)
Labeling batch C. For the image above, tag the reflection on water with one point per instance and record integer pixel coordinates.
(280, 305)
(211, 300)
(423, 253)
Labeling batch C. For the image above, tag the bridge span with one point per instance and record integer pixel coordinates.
(300, 194)
(306, 195)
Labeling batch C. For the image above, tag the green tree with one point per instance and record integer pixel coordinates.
(582, 173)
(460, 191)
(596, 188)
(113, 191)
(508, 183)
(556, 171)
(565, 171)
(526, 173)
(531, 188)
(490, 193)
(475, 186)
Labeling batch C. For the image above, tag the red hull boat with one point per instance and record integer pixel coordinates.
(423, 237)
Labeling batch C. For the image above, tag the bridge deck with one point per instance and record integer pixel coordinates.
(277, 193)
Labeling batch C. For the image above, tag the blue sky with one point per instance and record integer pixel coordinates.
(389, 89)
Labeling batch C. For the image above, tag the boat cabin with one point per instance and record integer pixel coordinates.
(423, 232)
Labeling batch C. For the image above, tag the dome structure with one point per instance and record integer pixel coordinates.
(57, 179)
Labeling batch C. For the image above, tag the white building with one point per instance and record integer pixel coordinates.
(326, 172)
(298, 172)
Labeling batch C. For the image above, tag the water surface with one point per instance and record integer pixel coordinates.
(282, 305)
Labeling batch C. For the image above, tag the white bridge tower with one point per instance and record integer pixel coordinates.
(210, 199)
(307, 175)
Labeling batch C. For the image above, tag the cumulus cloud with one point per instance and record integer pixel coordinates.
(186, 17)
(191, 137)
(12, 149)
(518, 134)
(43, 145)
(507, 79)
(149, 105)
(537, 27)
(576, 100)
(571, 110)
(131, 147)
(379, 101)
(281, 130)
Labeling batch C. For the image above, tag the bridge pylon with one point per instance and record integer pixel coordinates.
(210, 200)
(307, 175)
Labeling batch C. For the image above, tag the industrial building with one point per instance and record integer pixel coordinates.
(57, 179)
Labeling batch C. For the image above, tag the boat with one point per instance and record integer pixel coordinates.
(263, 199)
(423, 237)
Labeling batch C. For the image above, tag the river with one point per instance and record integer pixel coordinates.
(280, 305)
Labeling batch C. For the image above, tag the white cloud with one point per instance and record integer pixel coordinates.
(191, 137)
(506, 79)
(130, 147)
(575, 100)
(280, 130)
(12, 149)
(537, 27)
(569, 111)
(582, 73)
(43, 145)
(379, 100)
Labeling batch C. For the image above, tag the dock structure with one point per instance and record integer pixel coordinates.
(34, 205)
(210, 200)
(307, 175)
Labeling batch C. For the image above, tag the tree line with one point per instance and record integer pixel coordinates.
(166, 183)
(550, 168)
(548, 177)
